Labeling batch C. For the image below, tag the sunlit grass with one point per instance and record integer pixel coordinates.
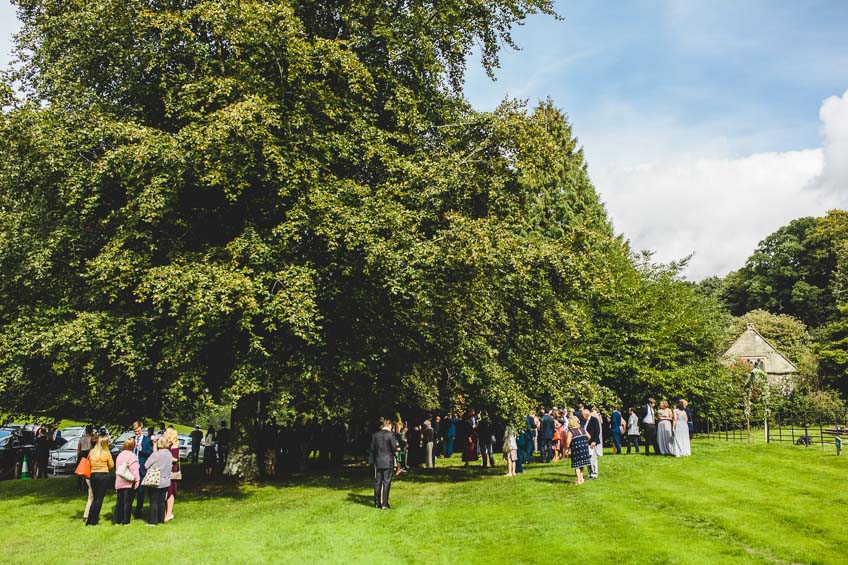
(728, 503)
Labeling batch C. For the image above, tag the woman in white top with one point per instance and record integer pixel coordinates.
(681, 446)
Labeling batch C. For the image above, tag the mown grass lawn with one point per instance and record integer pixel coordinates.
(727, 503)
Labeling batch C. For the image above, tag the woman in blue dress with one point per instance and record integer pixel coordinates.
(577, 447)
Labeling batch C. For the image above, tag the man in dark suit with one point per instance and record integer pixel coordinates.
(546, 435)
(143, 449)
(593, 430)
(196, 436)
(648, 417)
(384, 446)
(223, 438)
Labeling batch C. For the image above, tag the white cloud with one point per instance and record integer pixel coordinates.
(834, 117)
(721, 207)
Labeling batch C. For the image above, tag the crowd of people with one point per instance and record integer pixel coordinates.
(576, 434)
(148, 465)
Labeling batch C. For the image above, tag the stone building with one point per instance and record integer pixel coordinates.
(757, 351)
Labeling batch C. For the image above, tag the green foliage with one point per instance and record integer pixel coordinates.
(786, 333)
(798, 270)
(657, 336)
(802, 270)
(288, 207)
(832, 349)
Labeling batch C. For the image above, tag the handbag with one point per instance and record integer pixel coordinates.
(151, 479)
(124, 472)
(83, 468)
(178, 474)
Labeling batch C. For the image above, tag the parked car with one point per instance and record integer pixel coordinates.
(63, 459)
(117, 444)
(15, 442)
(7, 455)
(72, 432)
(185, 447)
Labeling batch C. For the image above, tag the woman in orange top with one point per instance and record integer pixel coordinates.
(101, 464)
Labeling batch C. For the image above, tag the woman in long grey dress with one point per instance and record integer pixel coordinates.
(665, 441)
(682, 448)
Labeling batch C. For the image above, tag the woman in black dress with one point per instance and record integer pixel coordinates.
(577, 447)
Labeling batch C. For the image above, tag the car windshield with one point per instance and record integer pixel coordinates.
(70, 445)
(5, 433)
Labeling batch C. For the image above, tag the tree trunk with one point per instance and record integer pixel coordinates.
(242, 462)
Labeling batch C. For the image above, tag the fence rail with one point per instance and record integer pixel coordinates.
(794, 428)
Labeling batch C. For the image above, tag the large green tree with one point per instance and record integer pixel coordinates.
(288, 207)
(793, 271)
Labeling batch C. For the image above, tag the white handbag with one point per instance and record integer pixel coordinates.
(124, 472)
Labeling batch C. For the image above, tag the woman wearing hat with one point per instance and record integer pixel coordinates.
(101, 463)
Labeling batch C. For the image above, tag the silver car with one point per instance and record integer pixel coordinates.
(63, 459)
(185, 447)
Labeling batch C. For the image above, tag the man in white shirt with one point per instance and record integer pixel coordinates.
(648, 416)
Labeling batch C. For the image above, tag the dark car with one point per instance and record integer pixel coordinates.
(15, 443)
(117, 444)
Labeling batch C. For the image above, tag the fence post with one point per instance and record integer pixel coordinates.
(765, 424)
(821, 431)
(806, 432)
(792, 429)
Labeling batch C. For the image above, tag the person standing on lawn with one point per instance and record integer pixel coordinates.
(449, 427)
(469, 438)
(510, 450)
(143, 449)
(223, 438)
(101, 464)
(42, 452)
(530, 436)
(162, 460)
(384, 448)
(665, 439)
(486, 440)
(196, 436)
(427, 437)
(649, 419)
(173, 442)
(546, 435)
(84, 445)
(680, 446)
(124, 488)
(632, 430)
(209, 456)
(593, 431)
(438, 438)
(577, 447)
(615, 425)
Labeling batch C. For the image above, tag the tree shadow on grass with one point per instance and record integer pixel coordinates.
(556, 479)
(361, 476)
(196, 488)
(361, 499)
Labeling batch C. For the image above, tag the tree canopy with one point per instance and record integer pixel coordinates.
(288, 206)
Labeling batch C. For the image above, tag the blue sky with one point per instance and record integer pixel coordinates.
(752, 72)
(707, 124)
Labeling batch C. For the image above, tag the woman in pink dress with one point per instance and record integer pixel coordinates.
(173, 440)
